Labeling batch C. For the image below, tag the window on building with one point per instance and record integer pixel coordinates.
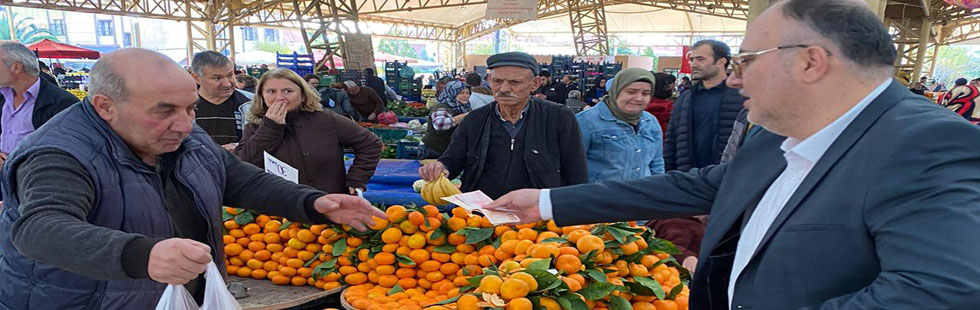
(105, 28)
(127, 39)
(57, 27)
(272, 35)
(250, 34)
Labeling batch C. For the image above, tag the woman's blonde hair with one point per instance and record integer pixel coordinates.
(311, 100)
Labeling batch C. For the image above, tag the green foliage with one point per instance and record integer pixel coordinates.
(955, 62)
(397, 47)
(273, 47)
(25, 30)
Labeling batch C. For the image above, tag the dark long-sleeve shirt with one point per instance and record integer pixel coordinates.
(57, 195)
(367, 101)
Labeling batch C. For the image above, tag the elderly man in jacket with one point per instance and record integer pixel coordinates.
(124, 196)
(516, 141)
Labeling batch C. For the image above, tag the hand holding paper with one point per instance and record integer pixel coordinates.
(475, 201)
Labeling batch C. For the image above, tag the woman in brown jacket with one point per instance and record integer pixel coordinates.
(287, 121)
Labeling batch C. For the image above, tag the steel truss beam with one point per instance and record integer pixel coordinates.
(589, 27)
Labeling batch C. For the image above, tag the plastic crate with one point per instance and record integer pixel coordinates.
(408, 150)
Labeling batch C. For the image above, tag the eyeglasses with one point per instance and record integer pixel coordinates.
(738, 60)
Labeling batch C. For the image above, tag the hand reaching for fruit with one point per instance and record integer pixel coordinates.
(348, 210)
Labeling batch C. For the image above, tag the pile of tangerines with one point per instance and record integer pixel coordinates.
(423, 259)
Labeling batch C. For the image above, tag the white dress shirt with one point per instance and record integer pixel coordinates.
(800, 157)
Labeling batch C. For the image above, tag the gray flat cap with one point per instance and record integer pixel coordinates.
(516, 59)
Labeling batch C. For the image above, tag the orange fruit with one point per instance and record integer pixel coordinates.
(251, 229)
(513, 288)
(396, 213)
(573, 285)
(253, 264)
(578, 278)
(549, 303)
(419, 255)
(553, 227)
(491, 284)
(456, 224)
(272, 226)
(527, 278)
(259, 274)
(256, 237)
(416, 218)
(274, 247)
(355, 278)
(244, 272)
(407, 283)
(256, 246)
(280, 280)
(233, 249)
(246, 255)
(430, 265)
(391, 235)
(416, 241)
(665, 304)
(354, 241)
(568, 263)
(467, 302)
(388, 280)
(437, 242)
(270, 266)
(638, 270)
(408, 228)
(226, 239)
(527, 234)
(306, 235)
(449, 268)
(546, 235)
(231, 224)
(379, 223)
(430, 224)
(431, 211)
(577, 234)
(270, 238)
(384, 258)
(237, 233)
(642, 305)
(630, 248)
(298, 281)
(590, 243)
(519, 304)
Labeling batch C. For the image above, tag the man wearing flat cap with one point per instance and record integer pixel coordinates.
(516, 141)
(365, 100)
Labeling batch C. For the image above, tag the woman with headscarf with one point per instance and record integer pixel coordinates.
(287, 121)
(621, 140)
(454, 104)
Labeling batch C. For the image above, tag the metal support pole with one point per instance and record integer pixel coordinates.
(924, 38)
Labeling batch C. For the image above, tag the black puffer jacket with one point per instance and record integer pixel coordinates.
(678, 140)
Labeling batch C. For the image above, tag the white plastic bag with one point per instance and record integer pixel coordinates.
(216, 294)
(176, 297)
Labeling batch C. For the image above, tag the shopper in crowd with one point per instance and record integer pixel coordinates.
(444, 118)
(963, 100)
(701, 119)
(515, 142)
(598, 91)
(662, 100)
(288, 122)
(125, 195)
(365, 100)
(441, 84)
(621, 140)
(46, 73)
(941, 86)
(245, 82)
(918, 88)
(335, 99)
(851, 166)
(975, 82)
(574, 101)
(377, 84)
(28, 100)
(684, 85)
(480, 96)
(218, 110)
(313, 80)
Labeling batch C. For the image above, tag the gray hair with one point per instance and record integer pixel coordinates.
(18, 53)
(574, 94)
(103, 79)
(208, 59)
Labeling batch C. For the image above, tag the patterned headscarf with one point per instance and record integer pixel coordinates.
(448, 97)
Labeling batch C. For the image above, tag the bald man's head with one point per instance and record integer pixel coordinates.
(117, 73)
(146, 98)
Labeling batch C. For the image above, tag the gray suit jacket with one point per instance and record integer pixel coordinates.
(889, 218)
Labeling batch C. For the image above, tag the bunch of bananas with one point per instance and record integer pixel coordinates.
(433, 191)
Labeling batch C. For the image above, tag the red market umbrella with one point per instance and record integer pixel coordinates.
(50, 49)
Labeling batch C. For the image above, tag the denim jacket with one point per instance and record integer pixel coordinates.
(614, 151)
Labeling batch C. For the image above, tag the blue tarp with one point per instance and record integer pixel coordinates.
(392, 182)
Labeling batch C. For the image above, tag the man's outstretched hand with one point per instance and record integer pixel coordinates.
(348, 210)
(523, 203)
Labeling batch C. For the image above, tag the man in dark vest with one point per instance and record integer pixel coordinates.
(124, 195)
(516, 141)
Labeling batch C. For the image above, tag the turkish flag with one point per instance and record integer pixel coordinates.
(685, 65)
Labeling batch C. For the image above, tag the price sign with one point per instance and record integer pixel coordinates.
(275, 166)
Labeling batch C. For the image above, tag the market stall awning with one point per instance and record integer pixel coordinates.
(50, 49)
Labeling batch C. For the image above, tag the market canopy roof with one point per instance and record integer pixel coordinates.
(51, 49)
(620, 18)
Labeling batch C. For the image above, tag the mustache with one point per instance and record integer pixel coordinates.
(505, 94)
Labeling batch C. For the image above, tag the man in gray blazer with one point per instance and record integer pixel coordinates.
(858, 195)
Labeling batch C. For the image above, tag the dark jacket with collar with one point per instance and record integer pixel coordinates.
(679, 136)
(553, 146)
(51, 99)
(892, 192)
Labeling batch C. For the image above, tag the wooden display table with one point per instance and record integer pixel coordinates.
(263, 295)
